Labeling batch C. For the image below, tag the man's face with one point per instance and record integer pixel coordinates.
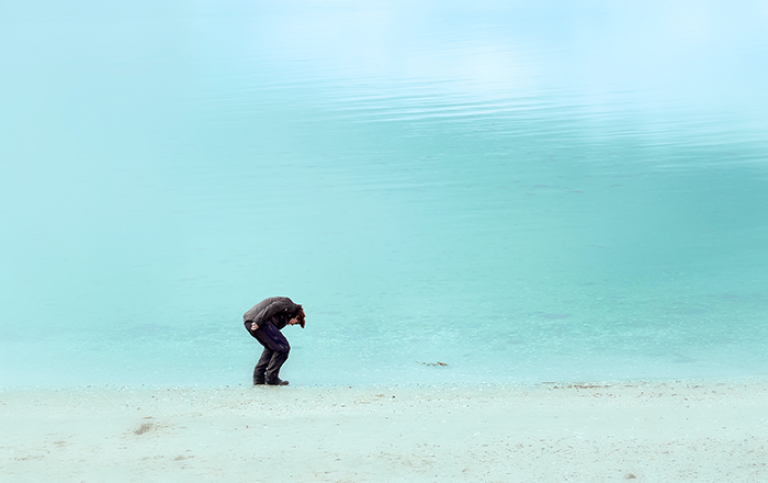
(293, 321)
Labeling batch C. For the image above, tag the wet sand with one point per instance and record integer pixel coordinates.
(643, 431)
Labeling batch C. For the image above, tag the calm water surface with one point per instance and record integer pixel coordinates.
(525, 191)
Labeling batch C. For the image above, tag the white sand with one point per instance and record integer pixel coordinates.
(665, 432)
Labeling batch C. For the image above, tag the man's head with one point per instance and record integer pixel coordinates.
(298, 318)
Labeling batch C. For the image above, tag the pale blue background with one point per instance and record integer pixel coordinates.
(526, 191)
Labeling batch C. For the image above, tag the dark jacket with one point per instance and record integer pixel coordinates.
(277, 310)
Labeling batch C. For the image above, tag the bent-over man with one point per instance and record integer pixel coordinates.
(264, 322)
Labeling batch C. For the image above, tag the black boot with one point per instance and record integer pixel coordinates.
(278, 382)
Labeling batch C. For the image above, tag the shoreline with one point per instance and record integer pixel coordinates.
(564, 383)
(695, 430)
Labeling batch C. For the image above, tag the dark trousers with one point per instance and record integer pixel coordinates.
(276, 349)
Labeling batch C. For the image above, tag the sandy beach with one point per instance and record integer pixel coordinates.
(642, 431)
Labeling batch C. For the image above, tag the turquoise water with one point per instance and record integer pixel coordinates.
(525, 191)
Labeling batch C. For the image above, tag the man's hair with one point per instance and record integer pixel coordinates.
(300, 316)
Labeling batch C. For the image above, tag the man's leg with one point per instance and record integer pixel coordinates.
(274, 341)
(259, 371)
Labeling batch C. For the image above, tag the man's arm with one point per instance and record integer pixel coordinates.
(282, 305)
(276, 305)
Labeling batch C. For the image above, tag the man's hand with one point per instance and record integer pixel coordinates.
(254, 326)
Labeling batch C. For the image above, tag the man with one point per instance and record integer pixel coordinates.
(264, 322)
